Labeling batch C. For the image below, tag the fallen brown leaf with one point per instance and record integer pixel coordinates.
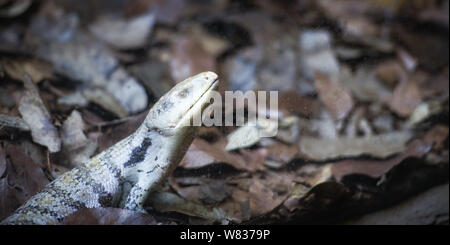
(381, 145)
(82, 57)
(76, 147)
(323, 196)
(108, 216)
(36, 115)
(13, 122)
(337, 100)
(406, 97)
(155, 76)
(120, 132)
(238, 205)
(390, 72)
(291, 102)
(262, 199)
(242, 137)
(213, 192)
(190, 58)
(14, 9)
(364, 85)
(190, 193)
(437, 136)
(36, 69)
(101, 97)
(376, 168)
(201, 153)
(320, 198)
(267, 193)
(167, 11)
(428, 47)
(23, 179)
(282, 153)
(254, 159)
(298, 192)
(200, 190)
(166, 201)
(124, 33)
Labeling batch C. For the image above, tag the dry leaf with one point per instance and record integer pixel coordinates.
(297, 193)
(428, 47)
(437, 136)
(120, 132)
(23, 179)
(35, 114)
(59, 40)
(213, 192)
(381, 145)
(254, 159)
(36, 69)
(323, 196)
(13, 122)
(291, 102)
(317, 56)
(190, 58)
(165, 202)
(16, 8)
(77, 148)
(108, 216)
(238, 205)
(264, 196)
(38, 153)
(242, 137)
(406, 98)
(105, 100)
(155, 76)
(278, 68)
(376, 168)
(201, 153)
(248, 135)
(239, 71)
(337, 100)
(124, 33)
(424, 111)
(312, 174)
(364, 85)
(167, 11)
(390, 72)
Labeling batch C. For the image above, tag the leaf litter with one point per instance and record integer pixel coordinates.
(363, 103)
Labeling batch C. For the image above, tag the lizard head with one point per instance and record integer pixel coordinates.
(185, 100)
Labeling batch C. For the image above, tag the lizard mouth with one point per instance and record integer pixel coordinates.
(199, 104)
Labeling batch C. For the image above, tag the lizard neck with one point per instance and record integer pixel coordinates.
(153, 154)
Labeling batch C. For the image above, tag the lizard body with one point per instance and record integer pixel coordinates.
(124, 174)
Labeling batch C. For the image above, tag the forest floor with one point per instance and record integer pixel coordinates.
(363, 104)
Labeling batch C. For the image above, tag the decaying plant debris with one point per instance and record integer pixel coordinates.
(363, 105)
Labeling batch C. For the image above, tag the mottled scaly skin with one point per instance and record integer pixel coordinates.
(124, 174)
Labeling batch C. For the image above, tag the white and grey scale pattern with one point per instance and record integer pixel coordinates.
(124, 174)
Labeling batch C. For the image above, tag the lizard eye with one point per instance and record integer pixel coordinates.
(183, 93)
